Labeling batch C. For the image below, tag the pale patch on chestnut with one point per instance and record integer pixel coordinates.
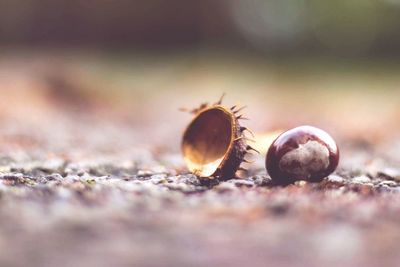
(308, 158)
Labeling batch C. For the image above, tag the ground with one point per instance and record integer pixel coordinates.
(97, 179)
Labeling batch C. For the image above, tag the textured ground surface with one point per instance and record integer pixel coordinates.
(80, 187)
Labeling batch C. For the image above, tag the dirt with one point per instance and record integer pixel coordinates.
(93, 186)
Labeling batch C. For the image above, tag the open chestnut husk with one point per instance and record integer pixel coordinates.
(214, 143)
(303, 153)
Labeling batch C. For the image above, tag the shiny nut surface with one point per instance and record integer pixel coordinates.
(303, 153)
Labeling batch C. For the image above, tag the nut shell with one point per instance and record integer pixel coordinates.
(213, 145)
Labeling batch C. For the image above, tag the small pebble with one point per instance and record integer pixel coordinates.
(363, 179)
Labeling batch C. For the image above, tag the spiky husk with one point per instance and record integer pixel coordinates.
(238, 148)
(236, 156)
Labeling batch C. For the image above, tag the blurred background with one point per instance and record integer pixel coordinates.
(133, 64)
(356, 27)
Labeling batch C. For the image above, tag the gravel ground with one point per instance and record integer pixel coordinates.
(84, 185)
(97, 200)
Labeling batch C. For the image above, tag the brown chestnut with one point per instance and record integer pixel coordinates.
(303, 153)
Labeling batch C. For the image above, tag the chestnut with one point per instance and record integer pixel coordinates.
(303, 153)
